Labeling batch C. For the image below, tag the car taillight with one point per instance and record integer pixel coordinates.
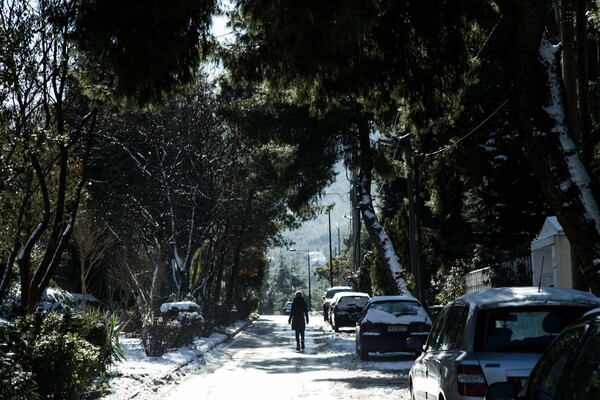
(367, 326)
(471, 381)
(424, 327)
(337, 309)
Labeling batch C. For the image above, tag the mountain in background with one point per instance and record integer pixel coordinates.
(313, 236)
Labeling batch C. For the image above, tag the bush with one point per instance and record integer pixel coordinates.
(64, 365)
(56, 356)
(103, 331)
(62, 362)
(154, 337)
(15, 381)
(177, 325)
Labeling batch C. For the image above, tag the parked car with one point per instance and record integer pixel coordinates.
(345, 308)
(287, 308)
(387, 321)
(434, 311)
(569, 369)
(328, 296)
(494, 335)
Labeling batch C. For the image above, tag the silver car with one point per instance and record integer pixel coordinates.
(495, 335)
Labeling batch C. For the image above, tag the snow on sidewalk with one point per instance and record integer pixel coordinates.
(139, 374)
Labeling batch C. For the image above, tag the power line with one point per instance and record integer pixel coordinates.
(451, 146)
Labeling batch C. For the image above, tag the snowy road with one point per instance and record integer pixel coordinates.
(262, 363)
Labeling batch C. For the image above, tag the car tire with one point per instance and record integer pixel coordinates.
(364, 355)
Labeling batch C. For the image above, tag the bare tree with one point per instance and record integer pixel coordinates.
(93, 242)
(48, 140)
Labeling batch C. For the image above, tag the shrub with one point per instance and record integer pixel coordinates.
(16, 382)
(177, 325)
(183, 321)
(59, 355)
(64, 365)
(103, 331)
(154, 336)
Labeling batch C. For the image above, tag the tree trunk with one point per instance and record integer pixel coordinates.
(538, 105)
(238, 252)
(378, 236)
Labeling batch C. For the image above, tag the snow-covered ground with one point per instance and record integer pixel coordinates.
(139, 374)
(141, 377)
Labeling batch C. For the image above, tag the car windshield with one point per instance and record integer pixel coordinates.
(524, 329)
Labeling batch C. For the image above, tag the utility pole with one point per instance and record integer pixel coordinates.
(330, 251)
(412, 220)
(569, 67)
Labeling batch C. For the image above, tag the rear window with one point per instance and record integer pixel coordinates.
(398, 307)
(395, 312)
(523, 329)
(332, 292)
(358, 301)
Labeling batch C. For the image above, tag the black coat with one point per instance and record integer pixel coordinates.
(299, 314)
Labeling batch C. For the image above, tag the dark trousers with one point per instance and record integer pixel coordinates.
(300, 337)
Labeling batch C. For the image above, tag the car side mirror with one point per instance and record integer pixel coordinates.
(502, 391)
(415, 344)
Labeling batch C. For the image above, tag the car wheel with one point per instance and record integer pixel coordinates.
(364, 355)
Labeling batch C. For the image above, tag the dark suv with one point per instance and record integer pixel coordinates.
(329, 296)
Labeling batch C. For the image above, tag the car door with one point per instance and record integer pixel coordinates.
(552, 372)
(442, 352)
(419, 369)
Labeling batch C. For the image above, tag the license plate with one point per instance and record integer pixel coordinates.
(397, 328)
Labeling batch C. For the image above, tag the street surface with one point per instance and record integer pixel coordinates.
(262, 363)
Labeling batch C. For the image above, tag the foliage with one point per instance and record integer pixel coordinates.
(104, 331)
(45, 130)
(154, 336)
(62, 362)
(16, 380)
(378, 275)
(448, 284)
(182, 325)
(54, 355)
(64, 365)
(142, 51)
(170, 329)
(281, 285)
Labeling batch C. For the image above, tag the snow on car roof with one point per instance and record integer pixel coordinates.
(393, 298)
(346, 294)
(340, 288)
(507, 296)
(341, 294)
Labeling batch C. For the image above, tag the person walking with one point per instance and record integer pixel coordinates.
(298, 316)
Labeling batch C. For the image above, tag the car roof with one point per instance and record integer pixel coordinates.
(511, 296)
(350, 294)
(346, 288)
(405, 297)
